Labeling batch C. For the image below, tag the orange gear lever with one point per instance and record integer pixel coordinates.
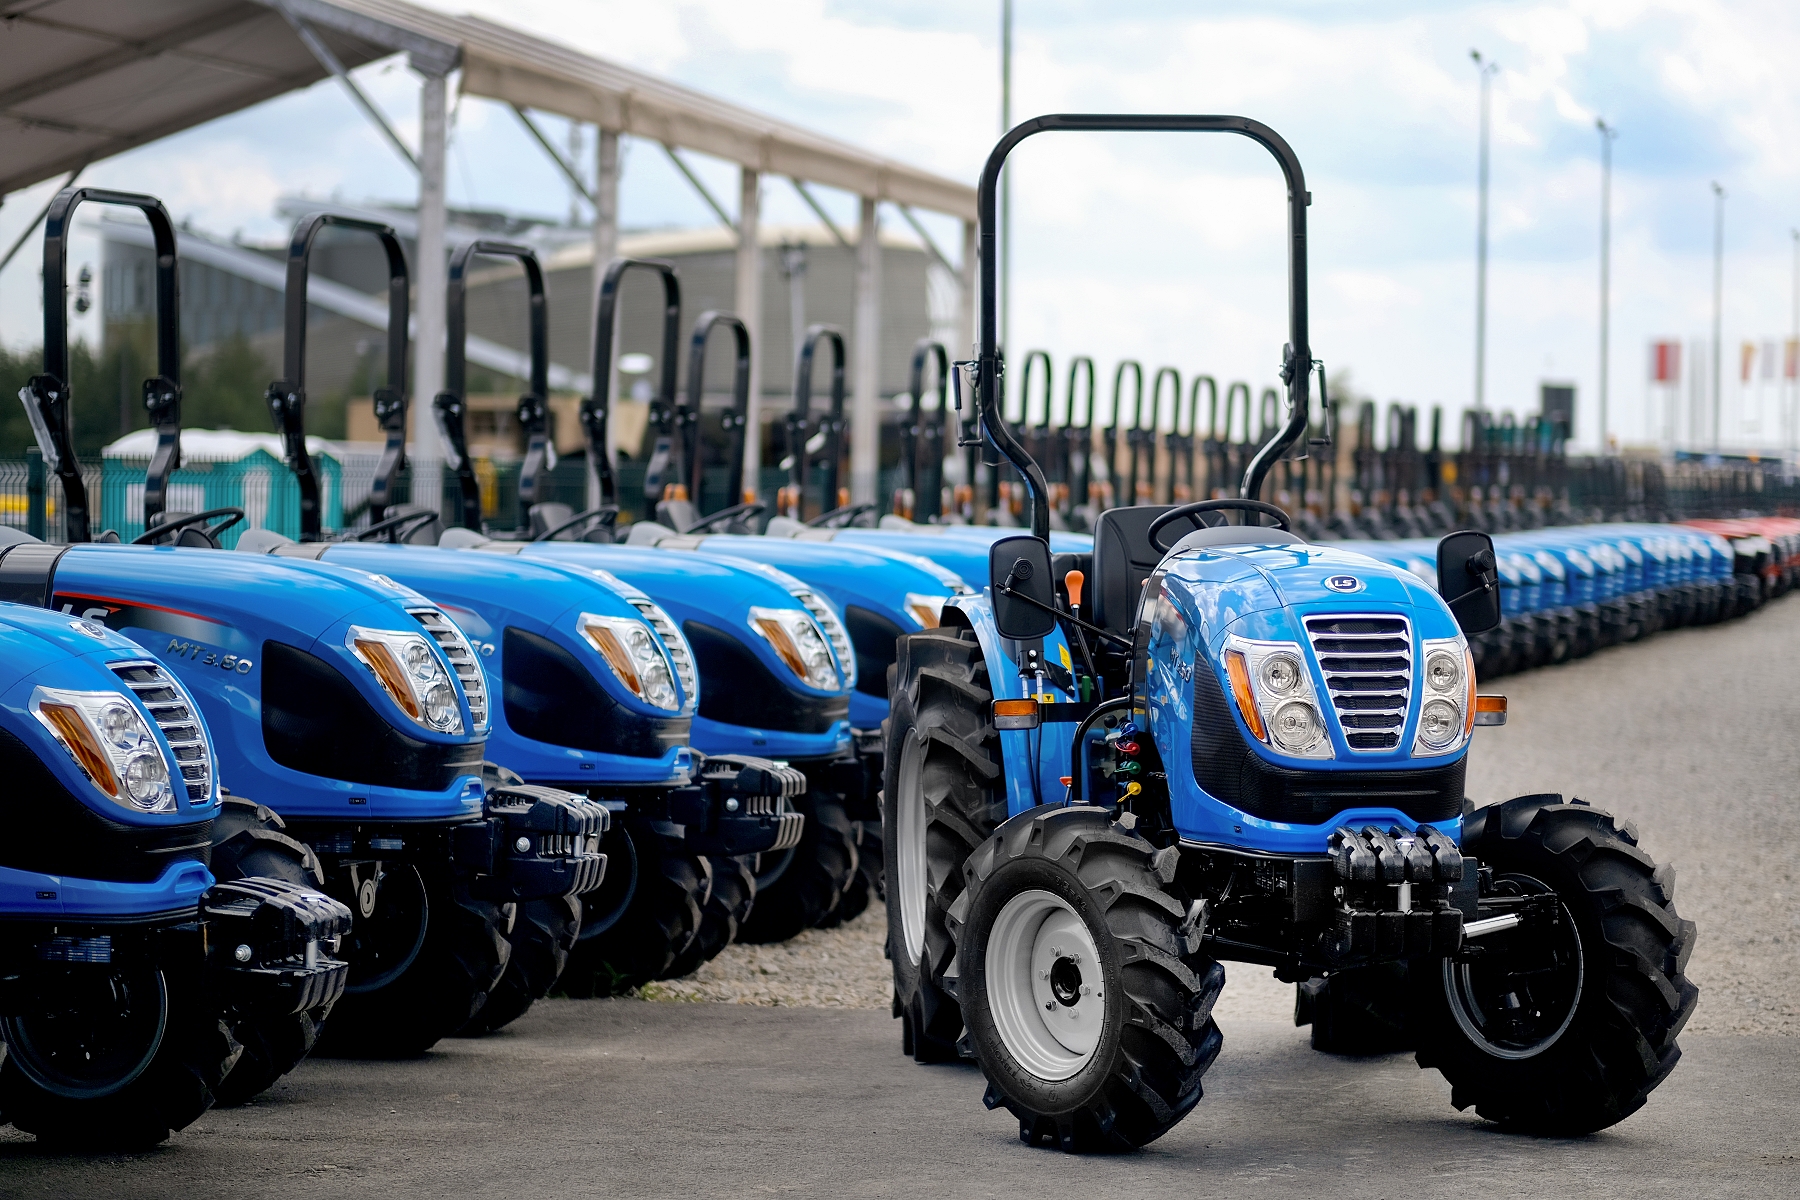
(1073, 581)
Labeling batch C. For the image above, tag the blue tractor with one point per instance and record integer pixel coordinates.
(597, 690)
(129, 979)
(352, 715)
(776, 669)
(1232, 744)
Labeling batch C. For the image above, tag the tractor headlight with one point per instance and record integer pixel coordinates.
(410, 672)
(1439, 724)
(635, 655)
(827, 619)
(797, 642)
(112, 744)
(926, 610)
(1274, 694)
(1449, 696)
(1443, 672)
(1295, 727)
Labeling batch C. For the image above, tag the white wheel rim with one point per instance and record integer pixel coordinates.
(909, 819)
(1044, 984)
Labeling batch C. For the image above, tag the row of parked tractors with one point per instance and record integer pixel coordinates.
(358, 792)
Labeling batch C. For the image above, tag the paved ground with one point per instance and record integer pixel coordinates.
(625, 1098)
(1691, 734)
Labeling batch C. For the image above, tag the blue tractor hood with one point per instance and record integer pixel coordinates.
(78, 849)
(1241, 580)
(303, 723)
(881, 593)
(566, 717)
(751, 700)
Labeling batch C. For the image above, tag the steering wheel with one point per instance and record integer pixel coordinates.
(840, 518)
(742, 512)
(157, 533)
(606, 514)
(397, 529)
(1191, 512)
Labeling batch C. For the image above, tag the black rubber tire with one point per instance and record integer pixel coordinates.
(250, 841)
(730, 903)
(871, 865)
(1633, 998)
(543, 933)
(808, 890)
(628, 948)
(176, 1087)
(1365, 1010)
(1145, 1072)
(939, 718)
(463, 957)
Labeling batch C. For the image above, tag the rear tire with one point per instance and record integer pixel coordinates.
(250, 841)
(543, 933)
(1565, 1031)
(51, 1086)
(1088, 1003)
(733, 896)
(634, 926)
(811, 883)
(941, 798)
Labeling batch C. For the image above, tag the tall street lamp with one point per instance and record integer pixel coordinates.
(1607, 134)
(1791, 352)
(1718, 304)
(1486, 70)
(1005, 297)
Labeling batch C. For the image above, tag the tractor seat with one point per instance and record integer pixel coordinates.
(548, 515)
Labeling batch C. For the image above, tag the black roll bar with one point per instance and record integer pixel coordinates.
(287, 395)
(1111, 433)
(450, 406)
(1194, 435)
(737, 420)
(1079, 439)
(596, 410)
(1149, 438)
(49, 405)
(801, 417)
(928, 440)
(1296, 370)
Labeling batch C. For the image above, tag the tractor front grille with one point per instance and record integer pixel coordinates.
(462, 657)
(173, 710)
(679, 652)
(1368, 669)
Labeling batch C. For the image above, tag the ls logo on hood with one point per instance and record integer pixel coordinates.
(1343, 583)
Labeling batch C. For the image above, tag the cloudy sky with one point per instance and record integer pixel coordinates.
(1169, 249)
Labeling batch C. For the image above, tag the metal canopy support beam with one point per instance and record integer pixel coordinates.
(865, 421)
(718, 209)
(606, 248)
(430, 273)
(330, 62)
(748, 302)
(965, 296)
(931, 247)
(812, 203)
(562, 164)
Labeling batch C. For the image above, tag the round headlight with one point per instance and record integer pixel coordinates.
(1281, 674)
(440, 705)
(120, 727)
(146, 779)
(1443, 673)
(1295, 727)
(1439, 724)
(418, 659)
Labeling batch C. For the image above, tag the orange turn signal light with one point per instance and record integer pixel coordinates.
(1490, 710)
(69, 725)
(387, 669)
(1015, 714)
(1239, 671)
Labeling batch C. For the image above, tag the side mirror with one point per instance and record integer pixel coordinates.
(1024, 587)
(1469, 580)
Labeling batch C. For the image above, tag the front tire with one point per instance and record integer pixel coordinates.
(941, 797)
(1087, 1001)
(644, 913)
(727, 908)
(251, 841)
(543, 932)
(1567, 1029)
(810, 882)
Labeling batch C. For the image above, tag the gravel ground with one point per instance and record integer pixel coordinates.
(1691, 734)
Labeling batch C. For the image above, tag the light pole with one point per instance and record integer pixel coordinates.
(1718, 304)
(1006, 26)
(1791, 353)
(1486, 70)
(1607, 134)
